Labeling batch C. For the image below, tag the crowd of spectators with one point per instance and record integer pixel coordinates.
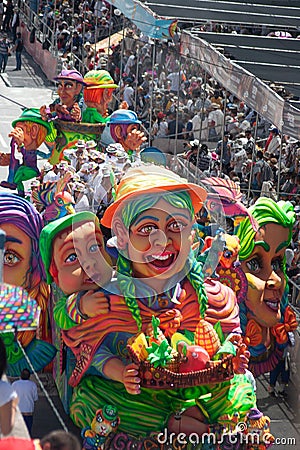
(171, 94)
(174, 98)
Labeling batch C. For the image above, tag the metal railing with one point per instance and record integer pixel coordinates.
(42, 32)
(47, 35)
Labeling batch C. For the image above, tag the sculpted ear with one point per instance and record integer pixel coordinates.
(78, 89)
(106, 94)
(35, 130)
(121, 232)
(118, 131)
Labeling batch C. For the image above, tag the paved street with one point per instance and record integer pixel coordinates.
(29, 87)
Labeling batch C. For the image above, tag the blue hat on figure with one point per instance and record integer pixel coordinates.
(123, 116)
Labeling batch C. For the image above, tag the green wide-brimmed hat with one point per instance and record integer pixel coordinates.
(33, 115)
(51, 230)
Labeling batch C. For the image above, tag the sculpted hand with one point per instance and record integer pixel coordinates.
(131, 379)
(18, 135)
(61, 109)
(241, 359)
(170, 321)
(76, 112)
(94, 303)
(123, 105)
(236, 339)
(43, 112)
(135, 139)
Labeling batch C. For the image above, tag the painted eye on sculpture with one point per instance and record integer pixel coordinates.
(94, 248)
(10, 258)
(147, 229)
(176, 226)
(71, 258)
(227, 254)
(277, 264)
(99, 419)
(254, 265)
(114, 423)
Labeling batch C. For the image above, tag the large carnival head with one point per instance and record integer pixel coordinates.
(99, 90)
(35, 129)
(69, 86)
(121, 123)
(73, 253)
(22, 224)
(262, 256)
(152, 218)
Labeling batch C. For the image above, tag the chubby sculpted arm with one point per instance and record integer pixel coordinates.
(78, 307)
(128, 375)
(93, 303)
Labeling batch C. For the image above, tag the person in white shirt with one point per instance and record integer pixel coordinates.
(128, 93)
(28, 395)
(175, 78)
(80, 197)
(275, 143)
(160, 126)
(50, 173)
(130, 63)
(215, 122)
(98, 9)
(200, 124)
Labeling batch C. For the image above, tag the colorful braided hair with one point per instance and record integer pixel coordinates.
(19, 212)
(265, 211)
(130, 211)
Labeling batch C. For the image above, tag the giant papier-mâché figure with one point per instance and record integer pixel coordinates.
(23, 267)
(266, 317)
(29, 132)
(158, 279)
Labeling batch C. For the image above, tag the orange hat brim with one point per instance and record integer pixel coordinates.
(198, 195)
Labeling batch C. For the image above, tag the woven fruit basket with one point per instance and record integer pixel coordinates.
(169, 377)
(80, 127)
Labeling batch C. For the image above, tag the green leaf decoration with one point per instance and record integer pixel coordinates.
(189, 335)
(159, 354)
(204, 300)
(218, 329)
(184, 350)
(227, 347)
(155, 324)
